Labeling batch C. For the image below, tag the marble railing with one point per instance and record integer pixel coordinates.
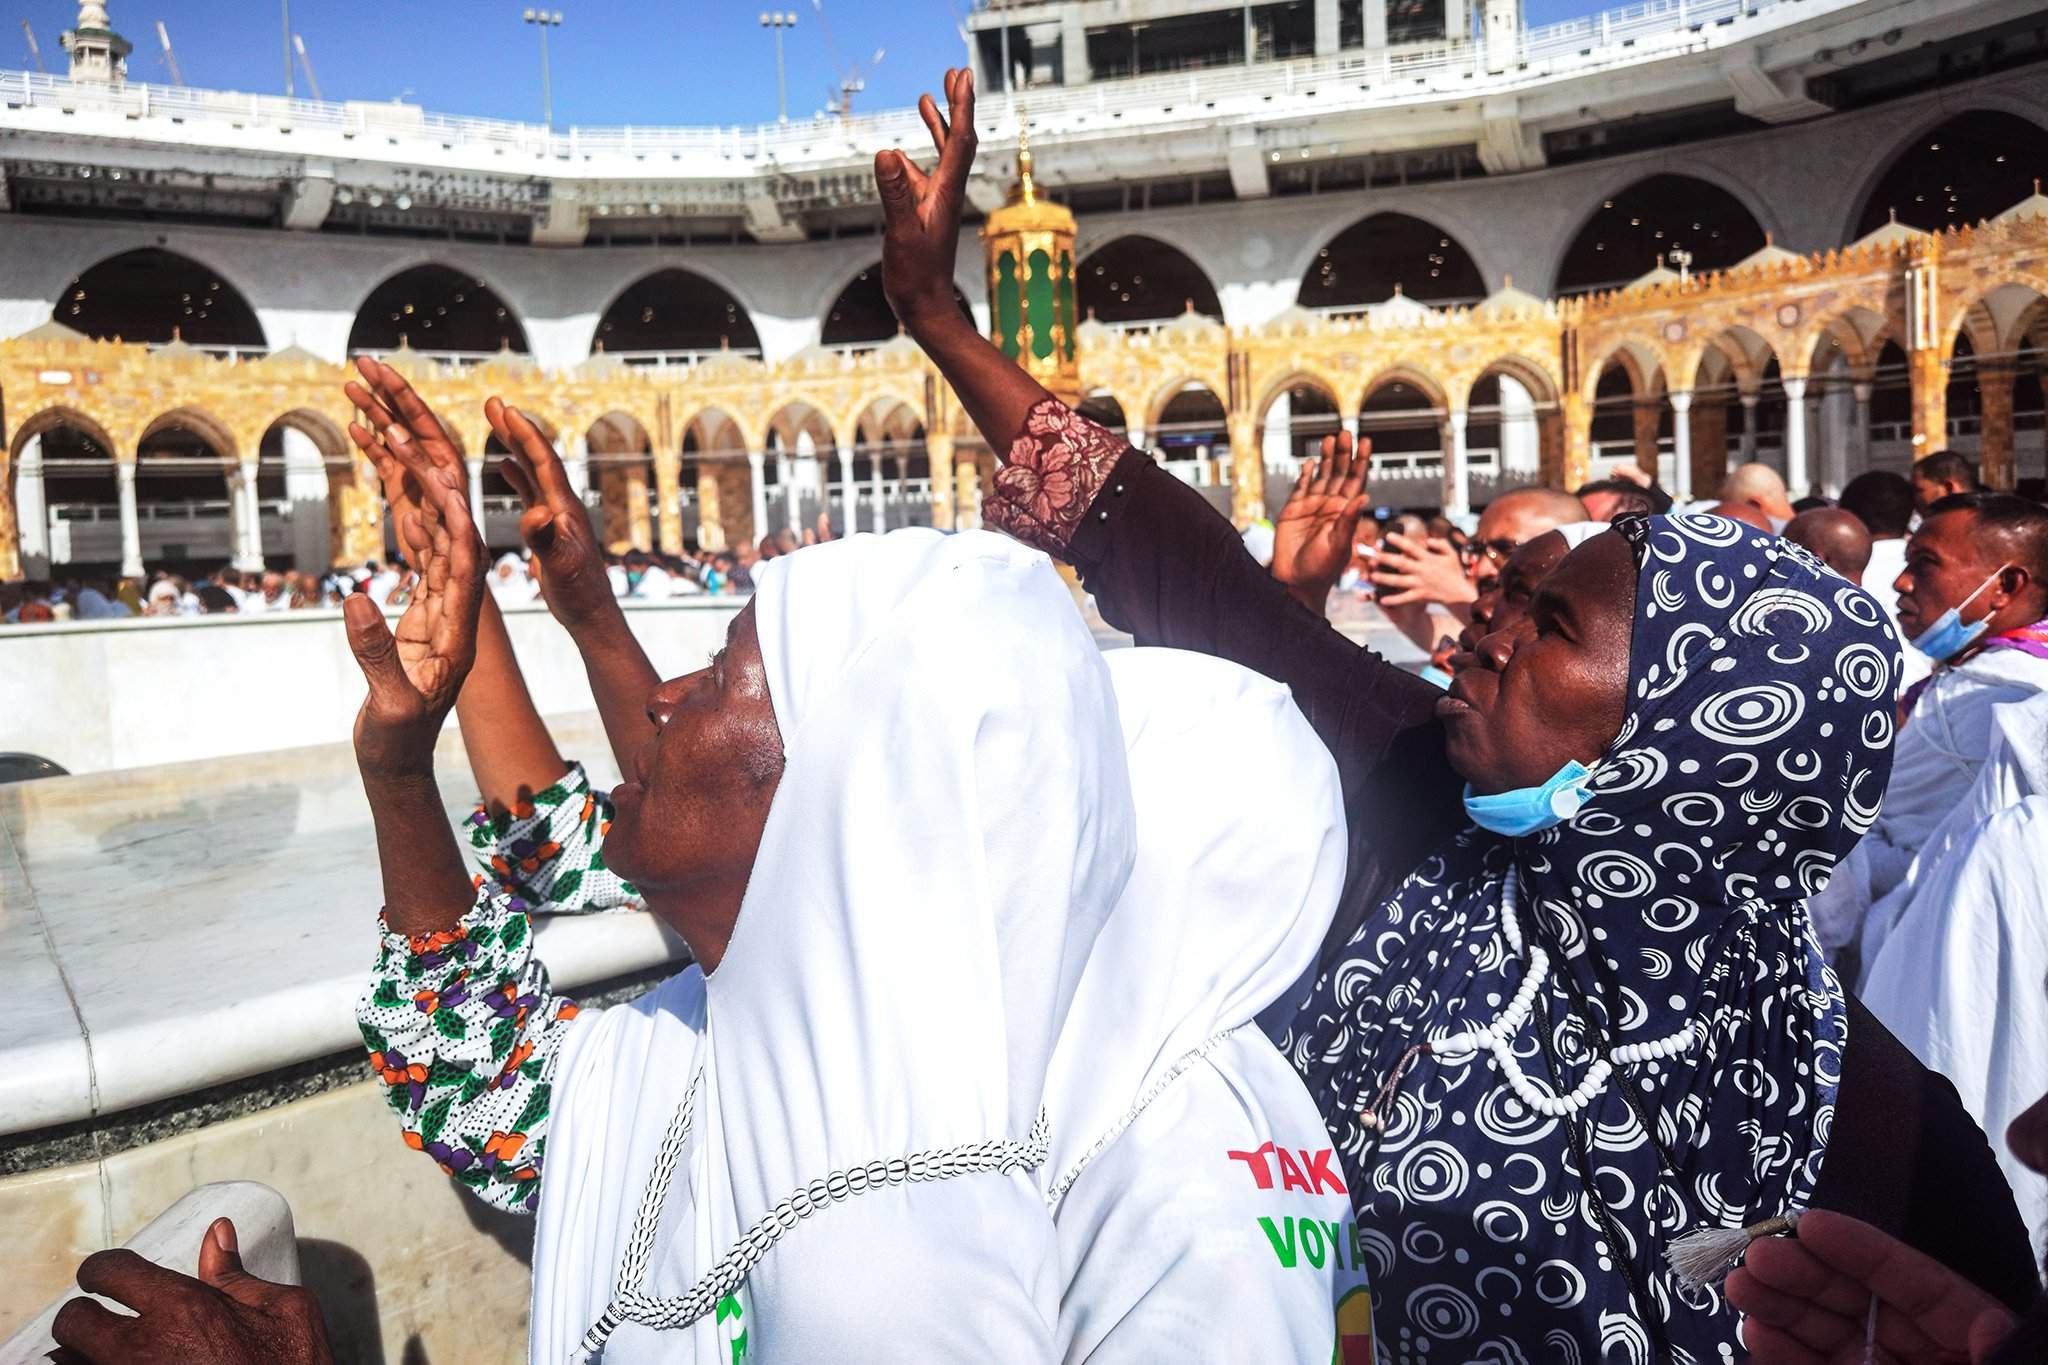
(97, 695)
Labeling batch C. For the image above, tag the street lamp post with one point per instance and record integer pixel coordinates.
(545, 20)
(780, 21)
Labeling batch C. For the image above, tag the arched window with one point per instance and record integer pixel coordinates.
(1973, 166)
(435, 308)
(675, 310)
(1366, 261)
(1638, 229)
(152, 295)
(1142, 279)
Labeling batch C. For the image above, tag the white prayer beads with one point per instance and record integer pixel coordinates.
(1497, 1036)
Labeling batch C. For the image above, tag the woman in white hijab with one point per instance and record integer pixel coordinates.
(833, 1141)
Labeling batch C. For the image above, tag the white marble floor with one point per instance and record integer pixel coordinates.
(165, 929)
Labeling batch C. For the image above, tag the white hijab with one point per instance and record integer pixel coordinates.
(1166, 1098)
(1240, 862)
(951, 829)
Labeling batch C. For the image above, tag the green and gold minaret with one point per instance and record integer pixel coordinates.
(1030, 247)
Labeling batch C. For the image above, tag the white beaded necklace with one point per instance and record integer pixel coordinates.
(1497, 1036)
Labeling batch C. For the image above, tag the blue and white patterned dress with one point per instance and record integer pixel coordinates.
(1754, 752)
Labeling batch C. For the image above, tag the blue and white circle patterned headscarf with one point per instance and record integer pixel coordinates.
(1661, 947)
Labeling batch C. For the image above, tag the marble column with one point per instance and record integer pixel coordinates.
(475, 465)
(938, 450)
(131, 521)
(1247, 473)
(1136, 436)
(1746, 451)
(966, 493)
(32, 510)
(1648, 417)
(249, 548)
(878, 493)
(1797, 485)
(1375, 24)
(792, 491)
(1994, 450)
(1681, 444)
(576, 465)
(668, 501)
(757, 468)
(1859, 428)
(1457, 494)
(849, 494)
(305, 489)
(1351, 428)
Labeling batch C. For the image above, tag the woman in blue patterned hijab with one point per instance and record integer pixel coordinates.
(1547, 1056)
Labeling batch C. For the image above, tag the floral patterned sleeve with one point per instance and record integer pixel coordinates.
(549, 852)
(1051, 476)
(464, 1033)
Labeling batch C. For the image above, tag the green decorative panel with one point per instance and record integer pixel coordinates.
(1039, 293)
(1009, 306)
(1067, 301)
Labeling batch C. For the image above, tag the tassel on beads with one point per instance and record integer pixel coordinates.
(1706, 1256)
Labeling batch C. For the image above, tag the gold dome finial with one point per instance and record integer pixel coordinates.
(1025, 191)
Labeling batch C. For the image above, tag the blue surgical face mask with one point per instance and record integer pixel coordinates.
(1948, 636)
(1529, 810)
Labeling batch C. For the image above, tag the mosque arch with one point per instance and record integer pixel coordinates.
(1105, 410)
(1636, 228)
(1402, 413)
(1509, 406)
(860, 314)
(308, 476)
(675, 310)
(1369, 260)
(1295, 416)
(622, 482)
(1191, 423)
(1969, 166)
(1139, 278)
(152, 295)
(45, 420)
(435, 307)
(79, 481)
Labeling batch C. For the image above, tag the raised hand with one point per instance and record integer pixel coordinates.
(416, 673)
(1807, 1300)
(921, 213)
(556, 524)
(388, 405)
(1314, 533)
(224, 1317)
(1420, 571)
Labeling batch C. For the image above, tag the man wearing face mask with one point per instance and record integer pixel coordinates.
(1972, 600)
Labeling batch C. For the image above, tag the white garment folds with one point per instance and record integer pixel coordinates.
(951, 832)
(1962, 978)
(1935, 758)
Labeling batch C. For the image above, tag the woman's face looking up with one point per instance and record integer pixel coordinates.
(689, 817)
(1550, 684)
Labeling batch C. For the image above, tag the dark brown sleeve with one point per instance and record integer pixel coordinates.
(1165, 567)
(1906, 1157)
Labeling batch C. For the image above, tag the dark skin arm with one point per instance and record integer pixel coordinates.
(414, 676)
(226, 1316)
(920, 241)
(556, 527)
(511, 753)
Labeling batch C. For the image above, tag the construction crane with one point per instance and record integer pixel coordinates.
(163, 35)
(306, 61)
(33, 51)
(852, 83)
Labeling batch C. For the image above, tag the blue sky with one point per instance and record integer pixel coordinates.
(656, 61)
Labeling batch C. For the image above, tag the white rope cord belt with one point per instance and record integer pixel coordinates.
(629, 1304)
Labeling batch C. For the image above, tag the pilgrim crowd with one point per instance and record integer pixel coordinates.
(1659, 976)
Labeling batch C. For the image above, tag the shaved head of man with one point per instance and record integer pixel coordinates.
(1838, 538)
(1746, 513)
(1527, 513)
(1760, 487)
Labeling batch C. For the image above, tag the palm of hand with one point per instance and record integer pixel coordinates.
(1312, 537)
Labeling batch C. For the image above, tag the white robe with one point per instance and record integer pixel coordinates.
(1172, 1109)
(1935, 758)
(886, 1034)
(1962, 978)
